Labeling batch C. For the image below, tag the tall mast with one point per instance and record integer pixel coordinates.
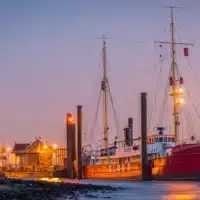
(105, 95)
(173, 54)
(176, 82)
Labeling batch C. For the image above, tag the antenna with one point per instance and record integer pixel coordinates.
(174, 74)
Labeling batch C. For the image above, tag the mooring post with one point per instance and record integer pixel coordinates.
(71, 145)
(144, 155)
(79, 142)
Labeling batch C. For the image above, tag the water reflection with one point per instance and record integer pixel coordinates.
(152, 190)
(182, 191)
(181, 197)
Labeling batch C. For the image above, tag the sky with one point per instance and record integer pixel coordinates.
(50, 61)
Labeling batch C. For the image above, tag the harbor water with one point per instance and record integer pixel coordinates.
(150, 190)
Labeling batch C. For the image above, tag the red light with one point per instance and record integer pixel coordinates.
(186, 52)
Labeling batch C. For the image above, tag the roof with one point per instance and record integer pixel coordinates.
(34, 146)
(20, 147)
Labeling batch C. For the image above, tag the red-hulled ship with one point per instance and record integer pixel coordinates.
(184, 159)
(170, 157)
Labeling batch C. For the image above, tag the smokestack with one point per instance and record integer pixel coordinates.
(130, 126)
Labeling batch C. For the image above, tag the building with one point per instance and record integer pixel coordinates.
(59, 155)
(36, 156)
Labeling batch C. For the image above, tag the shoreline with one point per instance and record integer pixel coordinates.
(37, 190)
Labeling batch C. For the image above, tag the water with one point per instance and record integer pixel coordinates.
(155, 190)
(149, 190)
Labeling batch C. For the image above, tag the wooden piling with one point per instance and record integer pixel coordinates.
(144, 155)
(71, 145)
(79, 142)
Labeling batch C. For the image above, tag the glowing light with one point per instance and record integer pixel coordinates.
(69, 118)
(8, 148)
(45, 146)
(180, 101)
(55, 146)
(55, 180)
(181, 90)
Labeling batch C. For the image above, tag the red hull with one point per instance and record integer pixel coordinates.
(184, 161)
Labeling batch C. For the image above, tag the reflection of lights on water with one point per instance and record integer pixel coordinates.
(175, 192)
(181, 197)
(55, 180)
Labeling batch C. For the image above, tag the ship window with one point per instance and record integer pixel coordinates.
(161, 139)
(165, 139)
(173, 140)
(169, 139)
(156, 139)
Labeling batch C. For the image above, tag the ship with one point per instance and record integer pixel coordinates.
(168, 157)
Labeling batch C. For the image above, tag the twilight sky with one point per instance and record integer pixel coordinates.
(50, 61)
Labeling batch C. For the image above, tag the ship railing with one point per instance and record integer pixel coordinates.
(123, 143)
(191, 140)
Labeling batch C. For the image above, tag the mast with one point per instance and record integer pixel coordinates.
(173, 54)
(104, 88)
(176, 82)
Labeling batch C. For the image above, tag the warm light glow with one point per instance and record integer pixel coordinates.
(45, 146)
(69, 119)
(180, 101)
(55, 146)
(8, 148)
(181, 90)
(55, 180)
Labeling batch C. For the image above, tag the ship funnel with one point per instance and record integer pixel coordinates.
(130, 126)
(160, 130)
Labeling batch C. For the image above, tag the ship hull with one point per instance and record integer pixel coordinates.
(120, 172)
(182, 164)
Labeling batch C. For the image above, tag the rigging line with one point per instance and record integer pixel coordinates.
(181, 121)
(155, 94)
(162, 112)
(188, 93)
(189, 64)
(191, 68)
(154, 84)
(114, 110)
(190, 120)
(194, 75)
(96, 114)
(164, 100)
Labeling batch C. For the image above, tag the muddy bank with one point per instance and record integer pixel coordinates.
(41, 190)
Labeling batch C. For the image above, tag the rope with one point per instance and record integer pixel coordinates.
(164, 102)
(114, 110)
(156, 89)
(96, 114)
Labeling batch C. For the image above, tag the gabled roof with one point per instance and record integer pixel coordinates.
(18, 148)
(35, 146)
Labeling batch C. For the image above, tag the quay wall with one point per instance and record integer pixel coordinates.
(28, 174)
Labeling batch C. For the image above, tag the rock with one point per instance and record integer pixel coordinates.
(23, 189)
